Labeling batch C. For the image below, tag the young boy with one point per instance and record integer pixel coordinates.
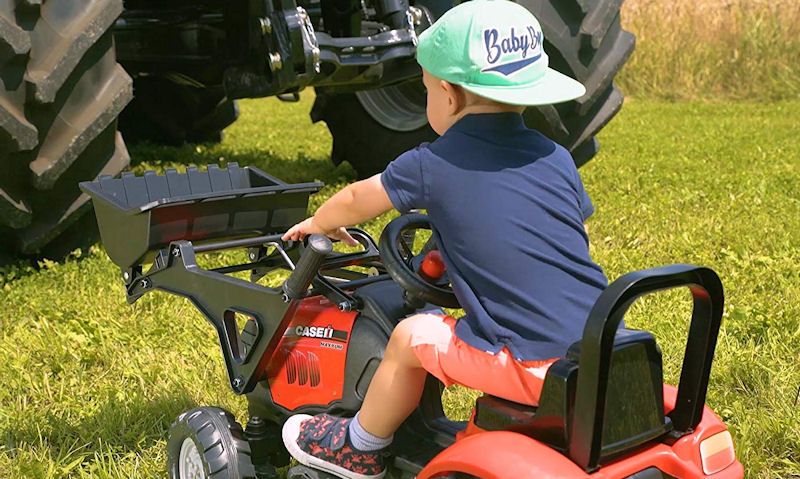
(509, 207)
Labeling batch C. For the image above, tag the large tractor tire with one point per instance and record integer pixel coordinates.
(583, 39)
(173, 111)
(61, 90)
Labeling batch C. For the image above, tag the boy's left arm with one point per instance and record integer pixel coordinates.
(356, 203)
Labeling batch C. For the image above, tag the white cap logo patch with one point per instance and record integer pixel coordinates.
(495, 49)
(510, 53)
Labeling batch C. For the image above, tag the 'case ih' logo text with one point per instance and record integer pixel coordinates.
(314, 332)
(319, 332)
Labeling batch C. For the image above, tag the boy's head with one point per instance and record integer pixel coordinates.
(448, 102)
(484, 56)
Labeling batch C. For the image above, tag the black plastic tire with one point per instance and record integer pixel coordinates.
(61, 91)
(168, 113)
(216, 438)
(583, 39)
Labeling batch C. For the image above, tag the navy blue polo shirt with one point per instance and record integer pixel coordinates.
(509, 208)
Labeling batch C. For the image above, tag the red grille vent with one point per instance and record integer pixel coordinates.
(302, 368)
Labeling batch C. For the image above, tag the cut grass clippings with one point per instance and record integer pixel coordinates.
(91, 384)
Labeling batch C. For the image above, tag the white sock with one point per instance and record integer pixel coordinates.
(362, 440)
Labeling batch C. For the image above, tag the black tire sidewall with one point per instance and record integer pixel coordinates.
(217, 424)
(178, 433)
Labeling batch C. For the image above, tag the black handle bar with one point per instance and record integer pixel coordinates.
(598, 341)
(318, 248)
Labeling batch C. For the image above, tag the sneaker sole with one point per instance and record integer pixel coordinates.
(290, 432)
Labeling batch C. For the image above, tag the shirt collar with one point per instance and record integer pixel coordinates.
(495, 122)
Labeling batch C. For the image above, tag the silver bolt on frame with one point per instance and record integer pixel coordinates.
(266, 25)
(275, 61)
(416, 15)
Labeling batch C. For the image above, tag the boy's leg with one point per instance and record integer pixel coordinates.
(322, 441)
(398, 382)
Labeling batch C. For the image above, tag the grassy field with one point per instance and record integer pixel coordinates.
(700, 49)
(91, 384)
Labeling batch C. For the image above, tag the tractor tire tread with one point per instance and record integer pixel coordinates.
(225, 450)
(66, 38)
(60, 95)
(13, 39)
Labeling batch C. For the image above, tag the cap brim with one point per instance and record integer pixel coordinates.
(552, 87)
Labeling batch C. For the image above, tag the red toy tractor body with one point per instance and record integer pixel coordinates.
(604, 411)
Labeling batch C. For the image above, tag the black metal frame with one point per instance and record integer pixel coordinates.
(585, 447)
(258, 48)
(175, 270)
(216, 295)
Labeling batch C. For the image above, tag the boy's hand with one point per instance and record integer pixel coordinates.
(309, 227)
(356, 203)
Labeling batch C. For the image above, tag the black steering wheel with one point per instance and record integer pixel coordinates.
(402, 264)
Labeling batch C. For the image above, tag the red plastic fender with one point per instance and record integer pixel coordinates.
(502, 455)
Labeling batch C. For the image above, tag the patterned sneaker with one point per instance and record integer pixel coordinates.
(321, 442)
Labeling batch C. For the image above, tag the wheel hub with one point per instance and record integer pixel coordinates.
(190, 464)
(397, 107)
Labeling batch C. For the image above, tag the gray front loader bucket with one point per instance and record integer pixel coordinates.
(137, 215)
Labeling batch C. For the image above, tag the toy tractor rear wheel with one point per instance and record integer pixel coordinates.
(583, 39)
(208, 443)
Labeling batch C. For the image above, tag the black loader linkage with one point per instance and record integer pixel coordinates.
(168, 220)
(257, 49)
(209, 211)
(219, 297)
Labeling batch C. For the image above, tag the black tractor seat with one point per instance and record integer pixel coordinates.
(634, 409)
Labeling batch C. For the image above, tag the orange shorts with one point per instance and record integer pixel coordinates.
(453, 361)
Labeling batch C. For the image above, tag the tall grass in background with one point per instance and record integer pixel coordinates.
(713, 49)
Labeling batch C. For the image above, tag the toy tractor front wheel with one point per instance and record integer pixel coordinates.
(208, 443)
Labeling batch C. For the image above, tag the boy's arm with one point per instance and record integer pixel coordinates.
(356, 203)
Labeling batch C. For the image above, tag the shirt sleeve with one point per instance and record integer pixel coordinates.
(404, 181)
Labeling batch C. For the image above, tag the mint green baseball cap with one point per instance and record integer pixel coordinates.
(494, 49)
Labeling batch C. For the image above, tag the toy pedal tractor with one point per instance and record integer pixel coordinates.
(604, 412)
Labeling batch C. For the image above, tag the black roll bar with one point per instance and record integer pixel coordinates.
(598, 340)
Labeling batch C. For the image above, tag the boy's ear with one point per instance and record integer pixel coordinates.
(456, 100)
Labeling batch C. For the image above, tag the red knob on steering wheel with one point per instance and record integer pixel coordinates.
(402, 264)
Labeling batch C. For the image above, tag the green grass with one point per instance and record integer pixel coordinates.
(91, 384)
